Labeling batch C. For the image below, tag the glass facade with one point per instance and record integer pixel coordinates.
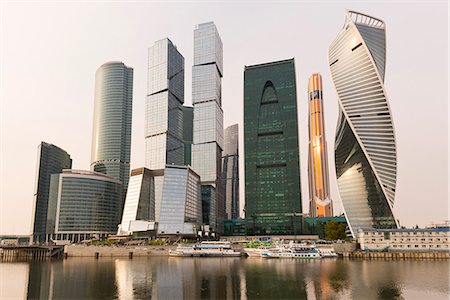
(111, 139)
(230, 167)
(83, 202)
(140, 200)
(207, 145)
(164, 143)
(272, 176)
(51, 160)
(208, 204)
(181, 211)
(164, 106)
(188, 133)
(365, 150)
(320, 204)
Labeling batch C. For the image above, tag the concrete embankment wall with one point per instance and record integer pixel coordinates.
(344, 247)
(115, 251)
(398, 255)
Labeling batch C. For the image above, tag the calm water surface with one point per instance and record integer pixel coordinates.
(224, 278)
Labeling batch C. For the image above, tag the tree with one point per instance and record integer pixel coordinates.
(335, 231)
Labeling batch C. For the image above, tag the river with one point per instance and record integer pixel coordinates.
(224, 278)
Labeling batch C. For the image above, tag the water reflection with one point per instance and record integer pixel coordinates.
(233, 278)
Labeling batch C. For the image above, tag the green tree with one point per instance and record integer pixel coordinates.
(335, 231)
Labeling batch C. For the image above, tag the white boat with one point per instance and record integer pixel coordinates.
(327, 252)
(293, 252)
(205, 249)
(257, 252)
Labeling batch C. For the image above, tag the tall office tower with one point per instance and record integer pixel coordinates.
(365, 152)
(139, 209)
(51, 160)
(207, 145)
(83, 204)
(111, 139)
(320, 204)
(164, 113)
(188, 133)
(230, 163)
(272, 175)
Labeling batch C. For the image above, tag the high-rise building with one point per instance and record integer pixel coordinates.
(164, 144)
(272, 169)
(139, 206)
(230, 163)
(181, 209)
(83, 204)
(207, 145)
(320, 204)
(111, 139)
(188, 133)
(51, 160)
(365, 151)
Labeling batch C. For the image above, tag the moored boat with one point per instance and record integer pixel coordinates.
(205, 249)
(293, 252)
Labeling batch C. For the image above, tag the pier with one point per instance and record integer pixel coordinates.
(397, 255)
(10, 253)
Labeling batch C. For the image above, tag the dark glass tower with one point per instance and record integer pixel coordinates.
(51, 160)
(188, 130)
(230, 167)
(272, 175)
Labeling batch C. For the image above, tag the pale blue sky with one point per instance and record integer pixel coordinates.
(50, 52)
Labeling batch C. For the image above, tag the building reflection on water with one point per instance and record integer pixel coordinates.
(231, 278)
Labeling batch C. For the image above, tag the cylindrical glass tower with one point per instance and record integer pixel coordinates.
(111, 138)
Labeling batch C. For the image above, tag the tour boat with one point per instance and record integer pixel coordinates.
(205, 249)
(293, 252)
(327, 252)
(257, 252)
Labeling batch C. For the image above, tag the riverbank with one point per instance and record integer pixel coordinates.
(115, 251)
(397, 255)
(161, 251)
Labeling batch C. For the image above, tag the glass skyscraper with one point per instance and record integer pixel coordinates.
(83, 204)
(51, 160)
(230, 160)
(320, 204)
(164, 144)
(111, 139)
(272, 176)
(207, 145)
(365, 150)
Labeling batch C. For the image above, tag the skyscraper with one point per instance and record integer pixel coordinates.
(51, 160)
(320, 204)
(230, 160)
(111, 139)
(207, 145)
(164, 143)
(365, 151)
(272, 175)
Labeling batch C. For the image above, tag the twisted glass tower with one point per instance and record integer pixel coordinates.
(111, 138)
(365, 150)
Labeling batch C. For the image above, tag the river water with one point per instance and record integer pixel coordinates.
(224, 278)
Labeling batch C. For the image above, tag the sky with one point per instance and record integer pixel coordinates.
(50, 52)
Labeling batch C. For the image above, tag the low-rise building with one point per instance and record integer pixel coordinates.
(83, 204)
(429, 239)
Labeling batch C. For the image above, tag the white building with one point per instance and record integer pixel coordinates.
(430, 239)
